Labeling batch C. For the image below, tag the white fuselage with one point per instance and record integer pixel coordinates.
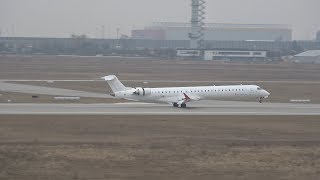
(178, 94)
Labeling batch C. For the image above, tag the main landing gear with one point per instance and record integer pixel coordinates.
(183, 105)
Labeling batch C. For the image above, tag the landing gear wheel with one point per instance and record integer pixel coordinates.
(175, 105)
(183, 105)
(260, 100)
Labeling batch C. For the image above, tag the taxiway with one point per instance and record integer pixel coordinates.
(30, 89)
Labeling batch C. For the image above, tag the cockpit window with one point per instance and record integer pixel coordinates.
(259, 89)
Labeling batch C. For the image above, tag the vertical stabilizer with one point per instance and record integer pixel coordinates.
(114, 83)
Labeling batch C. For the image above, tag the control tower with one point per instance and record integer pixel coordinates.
(197, 24)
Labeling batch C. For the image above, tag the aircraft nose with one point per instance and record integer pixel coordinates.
(266, 93)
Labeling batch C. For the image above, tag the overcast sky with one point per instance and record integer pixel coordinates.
(60, 18)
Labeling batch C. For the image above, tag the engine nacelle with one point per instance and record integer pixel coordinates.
(142, 91)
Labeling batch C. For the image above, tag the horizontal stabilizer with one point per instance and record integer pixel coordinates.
(109, 78)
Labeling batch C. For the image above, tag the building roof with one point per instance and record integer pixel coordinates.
(311, 53)
(165, 25)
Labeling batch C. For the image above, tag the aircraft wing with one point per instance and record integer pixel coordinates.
(184, 98)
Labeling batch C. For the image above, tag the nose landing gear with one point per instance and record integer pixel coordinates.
(261, 99)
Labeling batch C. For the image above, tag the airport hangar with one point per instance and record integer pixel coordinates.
(308, 57)
(216, 32)
(219, 32)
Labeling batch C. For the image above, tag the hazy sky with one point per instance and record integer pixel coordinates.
(60, 18)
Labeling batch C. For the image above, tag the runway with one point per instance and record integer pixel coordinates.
(199, 108)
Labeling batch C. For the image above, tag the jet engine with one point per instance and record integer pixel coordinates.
(141, 91)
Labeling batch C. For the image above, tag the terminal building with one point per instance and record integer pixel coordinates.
(216, 32)
(25, 45)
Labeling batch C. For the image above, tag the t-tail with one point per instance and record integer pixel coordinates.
(114, 84)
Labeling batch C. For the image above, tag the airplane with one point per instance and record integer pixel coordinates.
(180, 96)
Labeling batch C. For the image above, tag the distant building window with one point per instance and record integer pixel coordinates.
(257, 53)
